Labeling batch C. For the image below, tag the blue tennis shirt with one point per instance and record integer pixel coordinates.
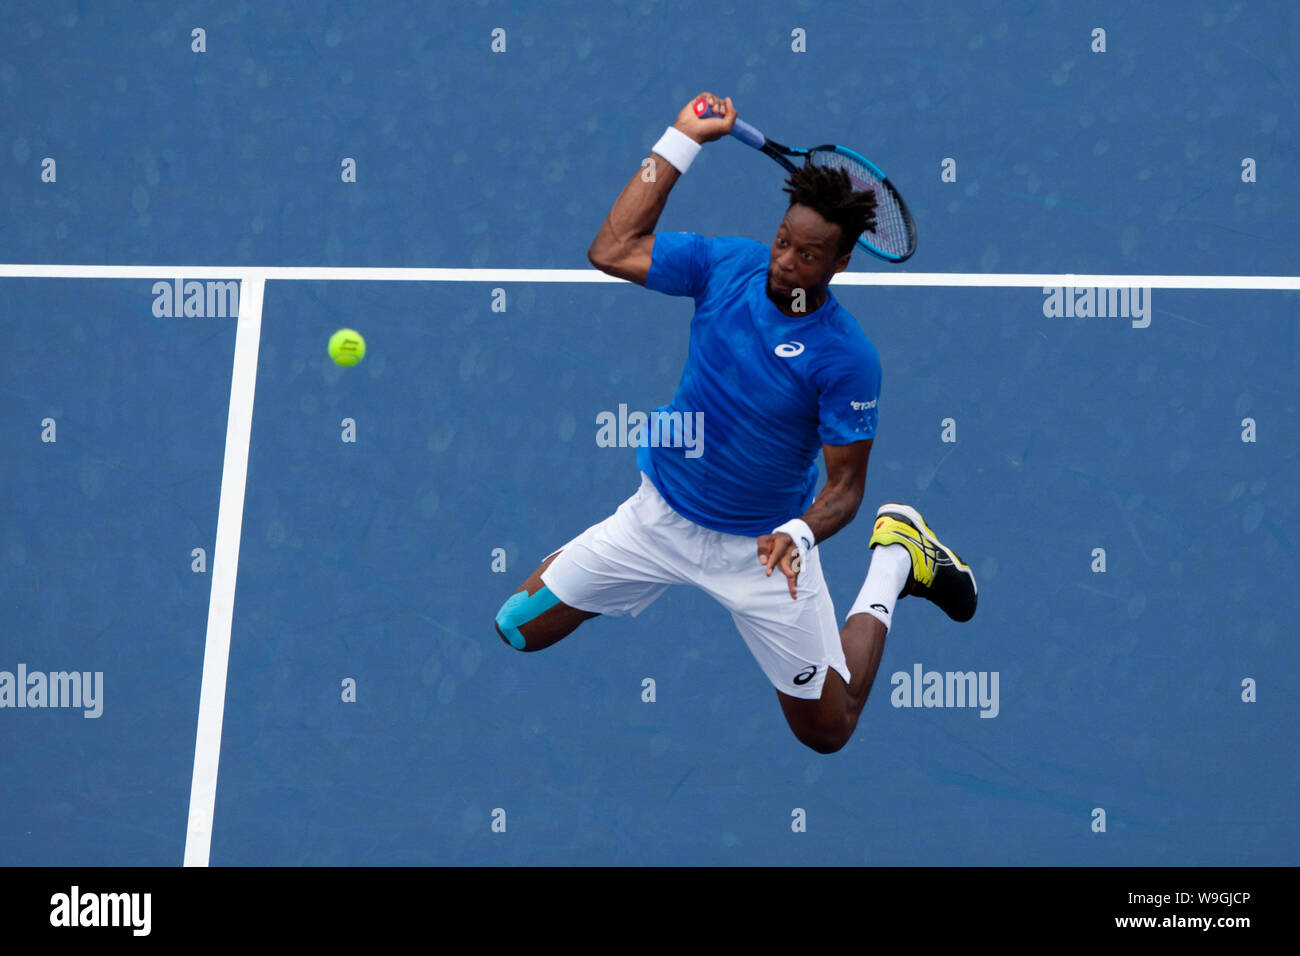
(761, 391)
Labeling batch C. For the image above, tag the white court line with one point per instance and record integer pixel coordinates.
(961, 279)
(225, 571)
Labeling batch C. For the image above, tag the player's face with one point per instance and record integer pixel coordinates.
(803, 254)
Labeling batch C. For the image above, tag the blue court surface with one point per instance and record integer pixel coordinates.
(1124, 490)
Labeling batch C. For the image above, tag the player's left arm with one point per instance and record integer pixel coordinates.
(846, 481)
(834, 507)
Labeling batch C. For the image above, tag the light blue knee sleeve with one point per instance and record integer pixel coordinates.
(520, 609)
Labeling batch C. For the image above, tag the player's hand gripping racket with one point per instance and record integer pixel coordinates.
(894, 238)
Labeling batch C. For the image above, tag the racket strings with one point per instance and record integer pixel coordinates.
(892, 234)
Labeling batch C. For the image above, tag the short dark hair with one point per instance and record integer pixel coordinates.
(829, 191)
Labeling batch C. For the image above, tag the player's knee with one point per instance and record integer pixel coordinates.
(824, 740)
(516, 639)
(501, 634)
(825, 745)
(520, 609)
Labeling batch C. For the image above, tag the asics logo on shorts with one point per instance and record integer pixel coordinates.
(789, 349)
(805, 675)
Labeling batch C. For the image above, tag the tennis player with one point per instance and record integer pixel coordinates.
(779, 370)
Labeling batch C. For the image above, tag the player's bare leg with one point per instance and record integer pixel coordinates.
(826, 724)
(907, 559)
(546, 627)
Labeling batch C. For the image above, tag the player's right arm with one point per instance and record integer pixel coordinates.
(626, 238)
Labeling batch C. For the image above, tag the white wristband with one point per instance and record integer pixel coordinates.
(798, 529)
(678, 148)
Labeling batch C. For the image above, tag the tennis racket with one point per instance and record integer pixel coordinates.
(894, 238)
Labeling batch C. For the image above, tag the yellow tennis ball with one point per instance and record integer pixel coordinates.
(347, 347)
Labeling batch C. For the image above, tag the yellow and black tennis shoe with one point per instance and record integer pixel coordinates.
(938, 574)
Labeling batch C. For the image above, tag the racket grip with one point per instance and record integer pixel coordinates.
(748, 134)
(741, 130)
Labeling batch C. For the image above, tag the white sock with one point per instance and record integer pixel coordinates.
(891, 566)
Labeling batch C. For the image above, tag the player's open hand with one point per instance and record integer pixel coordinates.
(779, 551)
(708, 128)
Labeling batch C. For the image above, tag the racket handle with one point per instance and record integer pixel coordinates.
(741, 130)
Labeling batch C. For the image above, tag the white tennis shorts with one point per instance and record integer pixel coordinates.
(622, 564)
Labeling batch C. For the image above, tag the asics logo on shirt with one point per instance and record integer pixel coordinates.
(788, 349)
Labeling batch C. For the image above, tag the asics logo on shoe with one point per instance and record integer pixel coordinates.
(925, 555)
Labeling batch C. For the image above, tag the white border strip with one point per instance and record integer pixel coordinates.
(225, 571)
(961, 279)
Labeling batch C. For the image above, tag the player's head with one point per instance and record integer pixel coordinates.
(828, 191)
(816, 236)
